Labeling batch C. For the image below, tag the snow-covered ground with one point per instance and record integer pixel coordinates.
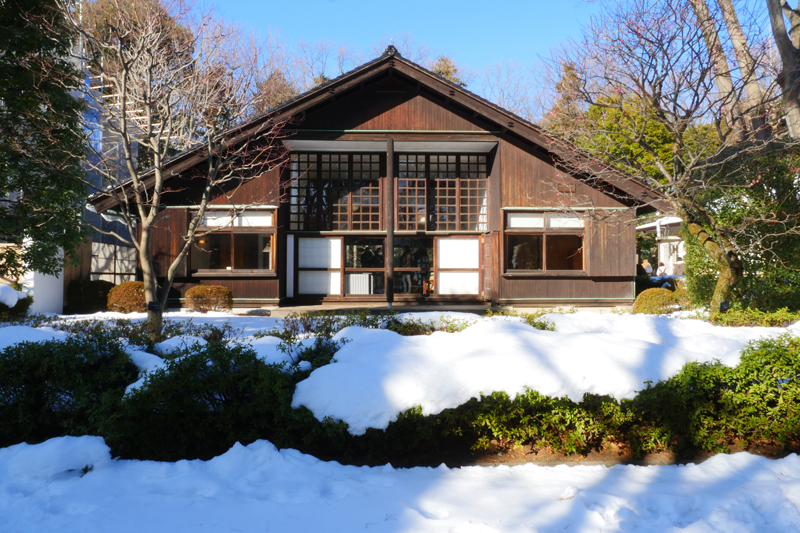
(378, 374)
(259, 489)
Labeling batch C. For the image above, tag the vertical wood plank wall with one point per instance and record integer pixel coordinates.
(522, 175)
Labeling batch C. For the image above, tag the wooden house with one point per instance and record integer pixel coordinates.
(401, 186)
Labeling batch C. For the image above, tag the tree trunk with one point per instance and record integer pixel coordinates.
(747, 66)
(729, 267)
(788, 50)
(733, 113)
(154, 317)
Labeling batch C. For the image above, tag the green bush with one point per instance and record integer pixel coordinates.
(709, 406)
(203, 403)
(127, 297)
(18, 312)
(654, 302)
(754, 317)
(54, 388)
(681, 295)
(204, 298)
(701, 272)
(88, 296)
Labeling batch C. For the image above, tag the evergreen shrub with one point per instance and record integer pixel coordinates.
(204, 402)
(654, 302)
(88, 296)
(205, 298)
(750, 317)
(127, 297)
(54, 388)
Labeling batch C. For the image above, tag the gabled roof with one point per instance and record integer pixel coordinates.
(391, 61)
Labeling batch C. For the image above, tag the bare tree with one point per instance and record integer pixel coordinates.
(167, 83)
(787, 41)
(506, 85)
(404, 43)
(656, 104)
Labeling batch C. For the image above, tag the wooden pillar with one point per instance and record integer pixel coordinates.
(389, 222)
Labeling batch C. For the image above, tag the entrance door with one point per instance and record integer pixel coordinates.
(414, 266)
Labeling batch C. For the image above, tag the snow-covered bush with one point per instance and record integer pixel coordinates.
(18, 312)
(199, 405)
(709, 406)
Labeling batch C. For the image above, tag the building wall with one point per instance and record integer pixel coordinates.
(522, 176)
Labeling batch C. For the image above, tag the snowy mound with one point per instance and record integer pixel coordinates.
(16, 334)
(380, 374)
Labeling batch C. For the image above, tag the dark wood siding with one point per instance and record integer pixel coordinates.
(251, 292)
(167, 239)
(529, 179)
(544, 291)
(407, 110)
(263, 190)
(611, 241)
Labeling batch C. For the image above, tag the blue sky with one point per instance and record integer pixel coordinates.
(475, 34)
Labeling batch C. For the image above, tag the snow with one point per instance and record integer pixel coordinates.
(72, 484)
(379, 373)
(49, 487)
(8, 296)
(178, 344)
(15, 334)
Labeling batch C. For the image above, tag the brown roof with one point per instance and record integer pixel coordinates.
(508, 123)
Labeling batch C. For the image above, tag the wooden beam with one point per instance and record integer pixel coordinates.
(389, 221)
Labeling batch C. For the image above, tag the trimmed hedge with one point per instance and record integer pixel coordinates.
(221, 393)
(654, 302)
(88, 296)
(204, 298)
(127, 297)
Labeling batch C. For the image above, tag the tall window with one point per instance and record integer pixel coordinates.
(411, 193)
(442, 192)
(335, 192)
(544, 242)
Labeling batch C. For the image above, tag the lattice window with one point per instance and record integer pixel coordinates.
(335, 182)
(443, 171)
(474, 195)
(366, 192)
(411, 193)
(335, 192)
(302, 191)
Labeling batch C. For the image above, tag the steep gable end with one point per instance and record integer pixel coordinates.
(392, 103)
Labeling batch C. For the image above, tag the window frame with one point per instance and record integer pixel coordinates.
(307, 168)
(544, 232)
(232, 231)
(464, 171)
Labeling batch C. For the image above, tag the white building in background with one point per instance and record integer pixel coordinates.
(671, 248)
